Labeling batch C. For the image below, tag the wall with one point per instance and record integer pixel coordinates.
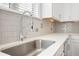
(67, 27)
(10, 24)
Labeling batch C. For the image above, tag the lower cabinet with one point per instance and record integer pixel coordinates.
(67, 47)
(60, 51)
(72, 46)
(75, 48)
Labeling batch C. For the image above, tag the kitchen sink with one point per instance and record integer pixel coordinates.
(31, 48)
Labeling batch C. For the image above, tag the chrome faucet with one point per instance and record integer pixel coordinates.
(21, 24)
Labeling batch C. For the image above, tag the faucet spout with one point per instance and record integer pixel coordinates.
(21, 25)
(27, 12)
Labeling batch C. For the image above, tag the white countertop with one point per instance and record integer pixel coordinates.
(3, 54)
(50, 51)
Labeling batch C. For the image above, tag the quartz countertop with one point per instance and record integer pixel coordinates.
(60, 38)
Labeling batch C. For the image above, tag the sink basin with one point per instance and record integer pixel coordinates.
(31, 48)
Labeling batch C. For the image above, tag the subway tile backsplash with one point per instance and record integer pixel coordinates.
(10, 27)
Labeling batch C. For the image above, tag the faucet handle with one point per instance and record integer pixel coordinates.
(22, 37)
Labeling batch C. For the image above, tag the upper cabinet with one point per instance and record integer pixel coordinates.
(58, 10)
(75, 12)
(66, 11)
(46, 10)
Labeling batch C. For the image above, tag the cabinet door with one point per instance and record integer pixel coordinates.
(46, 10)
(67, 12)
(72, 46)
(58, 10)
(70, 12)
(75, 11)
(75, 47)
(67, 49)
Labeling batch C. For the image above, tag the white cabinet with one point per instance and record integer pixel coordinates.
(62, 11)
(60, 51)
(75, 11)
(75, 48)
(72, 46)
(67, 47)
(66, 11)
(71, 12)
(58, 9)
(46, 9)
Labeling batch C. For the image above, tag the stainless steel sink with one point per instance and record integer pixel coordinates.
(32, 48)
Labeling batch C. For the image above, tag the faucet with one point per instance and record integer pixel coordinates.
(21, 24)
